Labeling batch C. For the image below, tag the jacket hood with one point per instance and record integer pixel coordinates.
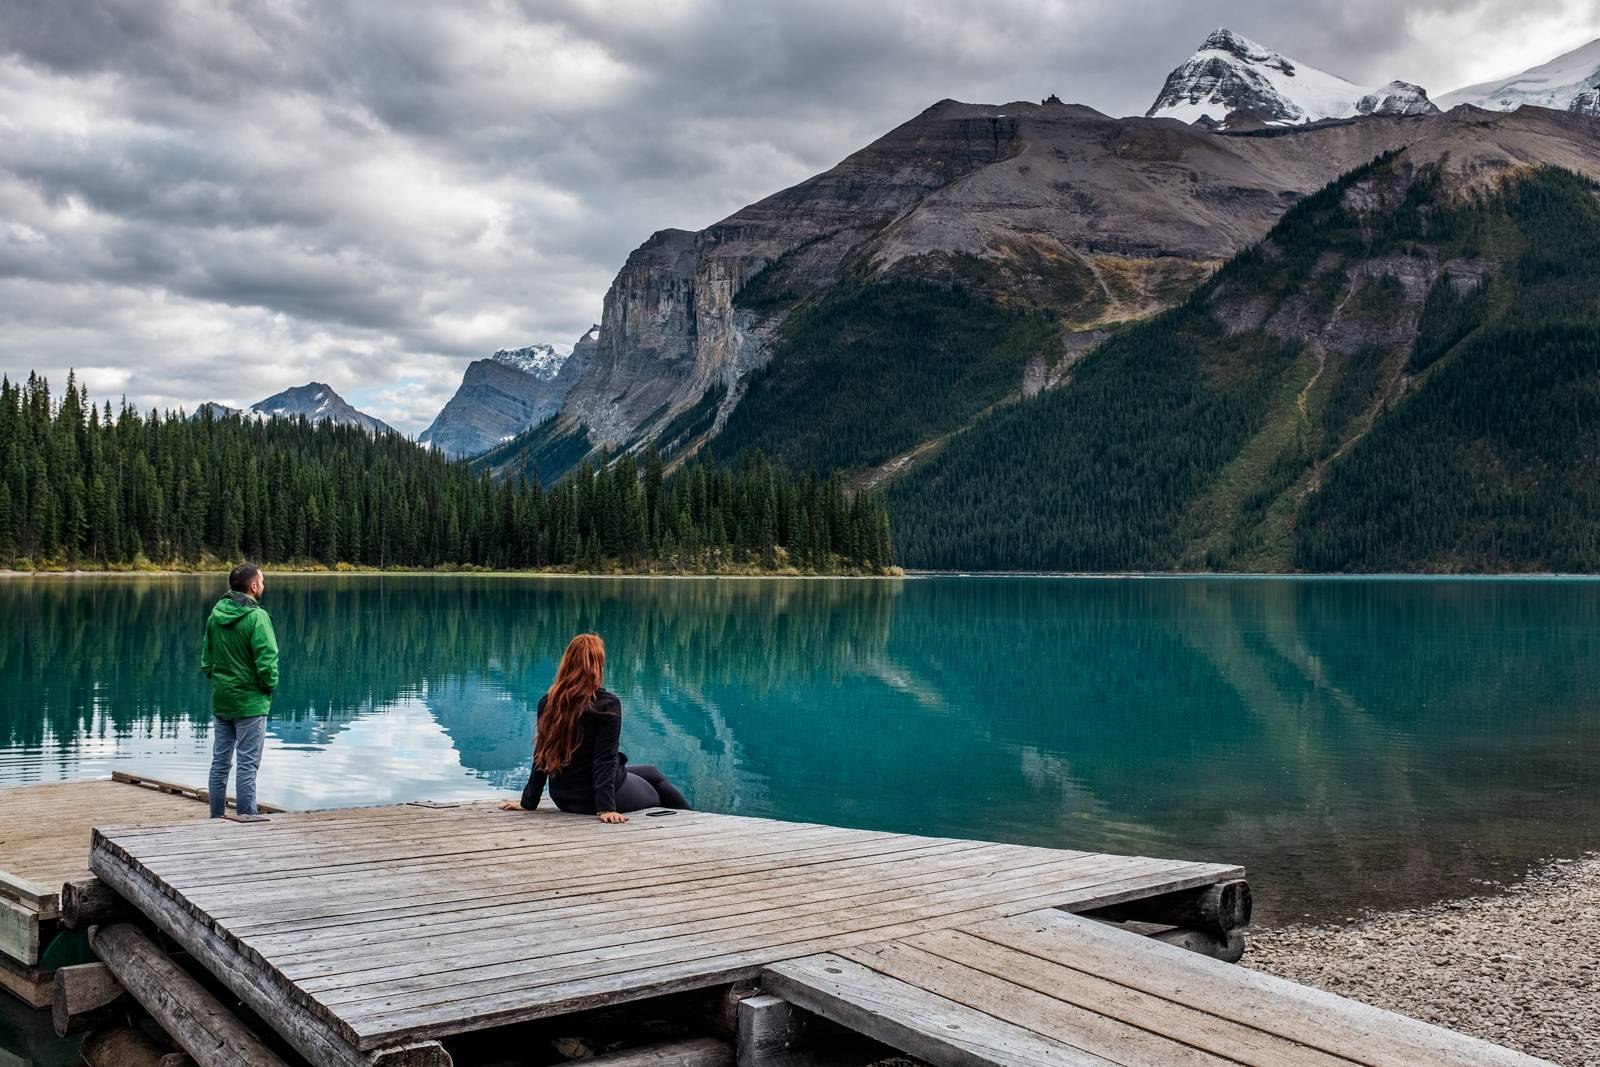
(233, 607)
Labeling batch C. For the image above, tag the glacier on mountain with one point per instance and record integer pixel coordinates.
(1569, 82)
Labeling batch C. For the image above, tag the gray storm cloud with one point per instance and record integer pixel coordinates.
(216, 201)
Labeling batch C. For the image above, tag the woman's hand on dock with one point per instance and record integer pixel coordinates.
(510, 805)
(612, 816)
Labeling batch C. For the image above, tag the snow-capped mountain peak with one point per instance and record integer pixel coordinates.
(1569, 82)
(541, 361)
(318, 403)
(1230, 72)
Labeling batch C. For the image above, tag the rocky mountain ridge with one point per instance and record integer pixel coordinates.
(1101, 220)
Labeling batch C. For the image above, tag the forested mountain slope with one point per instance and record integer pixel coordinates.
(1405, 375)
(1053, 205)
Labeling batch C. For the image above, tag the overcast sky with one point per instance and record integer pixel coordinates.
(207, 201)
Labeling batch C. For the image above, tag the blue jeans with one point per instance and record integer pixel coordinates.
(227, 735)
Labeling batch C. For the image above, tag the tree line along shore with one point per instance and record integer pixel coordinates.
(86, 488)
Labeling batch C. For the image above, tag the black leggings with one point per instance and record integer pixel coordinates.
(646, 787)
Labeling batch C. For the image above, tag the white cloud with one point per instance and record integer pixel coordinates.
(204, 201)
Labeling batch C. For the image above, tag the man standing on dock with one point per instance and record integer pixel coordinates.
(241, 659)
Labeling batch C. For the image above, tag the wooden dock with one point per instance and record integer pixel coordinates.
(386, 936)
(44, 842)
(364, 932)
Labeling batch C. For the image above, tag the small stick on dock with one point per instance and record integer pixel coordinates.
(177, 790)
(183, 1007)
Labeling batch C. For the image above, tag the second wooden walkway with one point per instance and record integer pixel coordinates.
(361, 933)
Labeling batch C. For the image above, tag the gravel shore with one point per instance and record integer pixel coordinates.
(1520, 967)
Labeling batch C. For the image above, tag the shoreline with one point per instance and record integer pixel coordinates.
(1516, 966)
(1245, 576)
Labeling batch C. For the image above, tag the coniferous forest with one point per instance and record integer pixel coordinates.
(84, 486)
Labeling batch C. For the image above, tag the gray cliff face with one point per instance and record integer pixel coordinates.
(318, 403)
(504, 395)
(670, 329)
(1586, 103)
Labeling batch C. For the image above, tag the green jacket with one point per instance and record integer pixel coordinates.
(240, 657)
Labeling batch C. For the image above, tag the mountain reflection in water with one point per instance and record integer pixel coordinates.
(1354, 742)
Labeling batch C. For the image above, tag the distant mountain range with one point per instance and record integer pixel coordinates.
(504, 395)
(314, 400)
(1257, 311)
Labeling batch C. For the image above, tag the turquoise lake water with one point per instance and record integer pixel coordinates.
(1355, 743)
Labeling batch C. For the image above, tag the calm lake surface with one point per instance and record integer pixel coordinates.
(1355, 743)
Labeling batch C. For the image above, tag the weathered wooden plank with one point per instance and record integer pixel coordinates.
(700, 898)
(589, 985)
(407, 984)
(19, 932)
(253, 985)
(932, 1028)
(31, 985)
(40, 898)
(1098, 1015)
(618, 917)
(203, 843)
(454, 899)
(487, 878)
(1037, 1013)
(1308, 1016)
(262, 864)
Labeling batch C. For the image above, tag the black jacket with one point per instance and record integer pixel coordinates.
(588, 783)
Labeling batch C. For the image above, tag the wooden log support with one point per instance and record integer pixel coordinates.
(717, 1008)
(86, 997)
(208, 1031)
(769, 1027)
(1219, 908)
(122, 1046)
(87, 902)
(696, 1052)
(1229, 947)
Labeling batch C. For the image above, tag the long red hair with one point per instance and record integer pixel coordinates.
(560, 728)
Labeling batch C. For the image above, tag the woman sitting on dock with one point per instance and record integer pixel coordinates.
(575, 746)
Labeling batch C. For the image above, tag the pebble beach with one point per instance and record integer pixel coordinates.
(1519, 966)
